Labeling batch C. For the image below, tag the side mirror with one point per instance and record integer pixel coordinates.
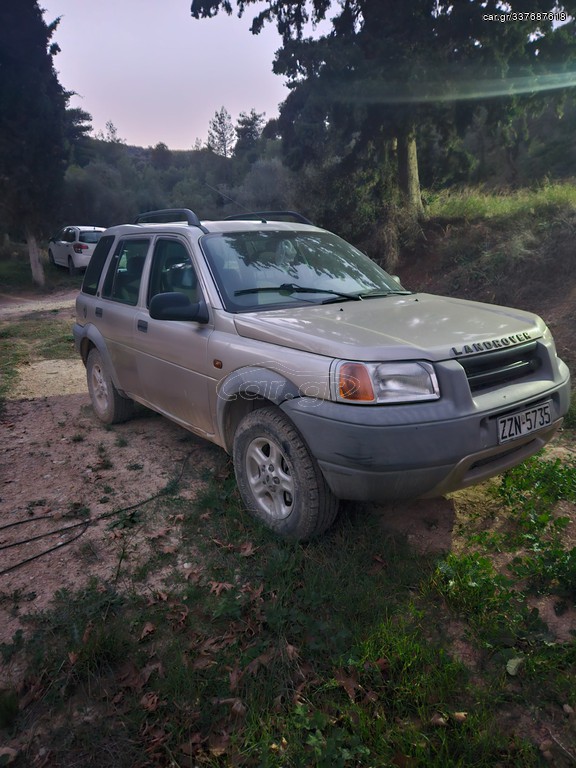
(177, 306)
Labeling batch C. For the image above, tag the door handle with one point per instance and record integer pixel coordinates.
(142, 325)
(98, 312)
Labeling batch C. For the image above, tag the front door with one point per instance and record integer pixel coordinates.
(173, 355)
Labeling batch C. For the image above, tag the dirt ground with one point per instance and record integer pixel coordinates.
(55, 459)
(62, 473)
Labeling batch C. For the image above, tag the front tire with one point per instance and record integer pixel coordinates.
(279, 480)
(108, 403)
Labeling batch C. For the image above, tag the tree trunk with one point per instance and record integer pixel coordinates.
(408, 179)
(34, 253)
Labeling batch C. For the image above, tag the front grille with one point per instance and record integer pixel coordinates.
(501, 366)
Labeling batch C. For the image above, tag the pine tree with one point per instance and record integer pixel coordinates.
(221, 134)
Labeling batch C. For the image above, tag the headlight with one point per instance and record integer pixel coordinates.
(372, 383)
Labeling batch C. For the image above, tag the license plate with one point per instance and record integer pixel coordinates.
(519, 424)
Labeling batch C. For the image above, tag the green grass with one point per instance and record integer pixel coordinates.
(37, 336)
(473, 204)
(43, 335)
(340, 652)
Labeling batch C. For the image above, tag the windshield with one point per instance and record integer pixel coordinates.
(265, 270)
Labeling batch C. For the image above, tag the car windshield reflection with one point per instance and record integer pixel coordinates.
(266, 270)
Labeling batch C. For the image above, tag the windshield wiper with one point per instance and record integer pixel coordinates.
(378, 293)
(293, 288)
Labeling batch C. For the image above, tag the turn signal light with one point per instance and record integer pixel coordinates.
(354, 383)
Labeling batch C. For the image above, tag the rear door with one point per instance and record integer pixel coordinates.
(117, 313)
(63, 245)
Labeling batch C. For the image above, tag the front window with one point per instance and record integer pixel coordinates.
(172, 271)
(268, 270)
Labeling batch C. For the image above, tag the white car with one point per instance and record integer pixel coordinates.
(73, 247)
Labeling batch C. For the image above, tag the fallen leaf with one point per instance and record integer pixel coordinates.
(159, 534)
(371, 697)
(291, 652)
(190, 747)
(379, 564)
(247, 549)
(218, 744)
(513, 666)
(193, 574)
(147, 630)
(236, 705)
(150, 701)
(235, 675)
(203, 662)
(217, 587)
(87, 632)
(348, 682)
(223, 544)
(438, 720)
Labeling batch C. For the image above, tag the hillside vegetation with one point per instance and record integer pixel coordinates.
(514, 248)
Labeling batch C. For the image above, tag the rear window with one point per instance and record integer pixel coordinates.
(90, 237)
(96, 264)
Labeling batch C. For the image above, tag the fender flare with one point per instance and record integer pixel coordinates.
(88, 336)
(252, 383)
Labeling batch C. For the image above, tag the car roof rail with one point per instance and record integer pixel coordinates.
(169, 215)
(267, 215)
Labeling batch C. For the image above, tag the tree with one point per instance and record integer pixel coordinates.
(161, 156)
(388, 68)
(248, 131)
(33, 125)
(221, 134)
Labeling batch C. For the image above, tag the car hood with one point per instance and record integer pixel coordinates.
(416, 326)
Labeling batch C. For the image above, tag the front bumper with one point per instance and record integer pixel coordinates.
(378, 453)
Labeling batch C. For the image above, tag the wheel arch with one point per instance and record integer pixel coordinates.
(246, 390)
(93, 339)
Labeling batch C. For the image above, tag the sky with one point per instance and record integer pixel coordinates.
(158, 74)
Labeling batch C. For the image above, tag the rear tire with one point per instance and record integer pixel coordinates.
(279, 480)
(108, 403)
(51, 257)
(72, 270)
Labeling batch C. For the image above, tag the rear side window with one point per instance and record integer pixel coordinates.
(96, 265)
(124, 274)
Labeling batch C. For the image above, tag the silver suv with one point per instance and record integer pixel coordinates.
(309, 364)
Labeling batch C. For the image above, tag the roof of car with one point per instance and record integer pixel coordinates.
(243, 225)
(178, 219)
